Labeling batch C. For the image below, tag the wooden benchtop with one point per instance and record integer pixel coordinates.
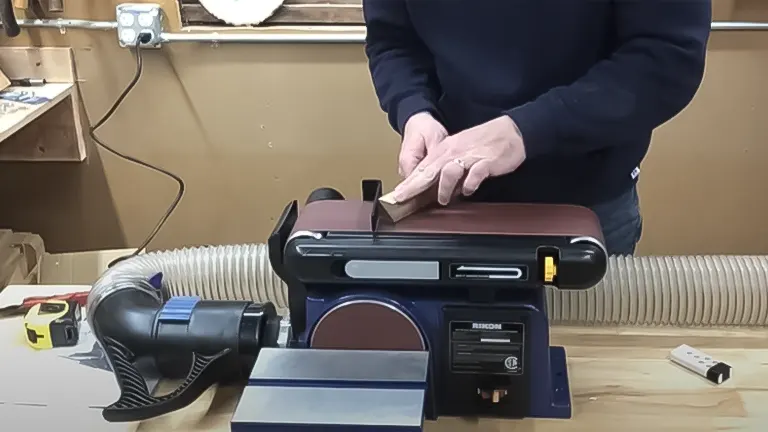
(621, 381)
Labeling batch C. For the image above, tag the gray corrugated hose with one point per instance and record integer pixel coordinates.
(686, 291)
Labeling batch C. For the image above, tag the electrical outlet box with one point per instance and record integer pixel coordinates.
(139, 23)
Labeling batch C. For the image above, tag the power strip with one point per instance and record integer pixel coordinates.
(701, 363)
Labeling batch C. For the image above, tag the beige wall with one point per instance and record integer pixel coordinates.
(251, 127)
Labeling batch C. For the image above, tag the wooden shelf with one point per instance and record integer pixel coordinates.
(41, 123)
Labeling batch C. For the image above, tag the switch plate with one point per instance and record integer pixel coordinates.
(135, 19)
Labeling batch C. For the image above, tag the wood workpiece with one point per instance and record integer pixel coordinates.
(620, 379)
(399, 211)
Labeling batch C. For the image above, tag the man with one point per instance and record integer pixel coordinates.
(535, 100)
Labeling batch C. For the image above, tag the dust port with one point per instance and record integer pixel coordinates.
(548, 259)
(69, 333)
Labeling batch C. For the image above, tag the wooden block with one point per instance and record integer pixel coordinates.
(50, 131)
(21, 4)
(399, 211)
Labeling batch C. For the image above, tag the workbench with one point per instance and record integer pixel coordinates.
(621, 380)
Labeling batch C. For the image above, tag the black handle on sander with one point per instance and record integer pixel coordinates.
(204, 342)
(136, 403)
(10, 24)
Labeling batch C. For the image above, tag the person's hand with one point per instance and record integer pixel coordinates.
(491, 149)
(420, 135)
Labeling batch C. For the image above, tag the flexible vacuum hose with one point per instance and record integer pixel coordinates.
(685, 291)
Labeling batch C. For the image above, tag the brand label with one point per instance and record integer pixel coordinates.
(486, 348)
(486, 326)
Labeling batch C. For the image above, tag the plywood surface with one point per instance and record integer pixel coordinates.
(620, 380)
(25, 114)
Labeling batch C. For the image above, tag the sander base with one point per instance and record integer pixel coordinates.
(561, 390)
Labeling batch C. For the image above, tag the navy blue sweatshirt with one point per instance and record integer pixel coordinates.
(586, 81)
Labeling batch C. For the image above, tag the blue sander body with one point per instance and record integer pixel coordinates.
(454, 298)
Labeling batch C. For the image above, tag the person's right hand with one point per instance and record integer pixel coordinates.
(420, 135)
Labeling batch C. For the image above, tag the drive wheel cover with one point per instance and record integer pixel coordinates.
(242, 12)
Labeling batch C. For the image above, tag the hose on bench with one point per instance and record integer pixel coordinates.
(681, 291)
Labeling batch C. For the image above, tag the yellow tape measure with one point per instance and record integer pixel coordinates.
(53, 324)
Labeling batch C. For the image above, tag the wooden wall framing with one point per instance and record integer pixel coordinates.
(350, 12)
(293, 12)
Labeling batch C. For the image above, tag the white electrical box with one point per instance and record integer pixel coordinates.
(139, 24)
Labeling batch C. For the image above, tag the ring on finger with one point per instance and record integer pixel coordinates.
(460, 163)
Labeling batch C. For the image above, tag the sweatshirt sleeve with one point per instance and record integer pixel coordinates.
(653, 73)
(401, 66)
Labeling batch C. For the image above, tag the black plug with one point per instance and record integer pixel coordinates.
(145, 38)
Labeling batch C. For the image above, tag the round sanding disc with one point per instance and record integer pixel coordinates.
(242, 12)
(367, 325)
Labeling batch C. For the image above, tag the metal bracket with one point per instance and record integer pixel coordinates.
(139, 24)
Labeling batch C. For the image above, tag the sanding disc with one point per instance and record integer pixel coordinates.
(242, 12)
(367, 325)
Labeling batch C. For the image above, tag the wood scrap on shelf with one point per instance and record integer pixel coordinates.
(20, 257)
(44, 122)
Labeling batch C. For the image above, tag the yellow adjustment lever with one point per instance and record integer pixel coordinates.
(550, 269)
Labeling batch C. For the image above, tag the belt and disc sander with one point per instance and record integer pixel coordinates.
(242, 12)
(367, 325)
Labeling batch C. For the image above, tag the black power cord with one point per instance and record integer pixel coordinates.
(144, 38)
(10, 24)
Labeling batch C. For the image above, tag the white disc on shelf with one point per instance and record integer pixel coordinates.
(242, 12)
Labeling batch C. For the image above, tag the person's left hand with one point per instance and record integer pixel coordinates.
(491, 149)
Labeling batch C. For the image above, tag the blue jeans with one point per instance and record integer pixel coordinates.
(621, 222)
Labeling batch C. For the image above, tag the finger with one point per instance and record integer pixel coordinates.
(419, 181)
(433, 142)
(427, 170)
(425, 175)
(450, 176)
(413, 187)
(477, 173)
(412, 152)
(435, 158)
